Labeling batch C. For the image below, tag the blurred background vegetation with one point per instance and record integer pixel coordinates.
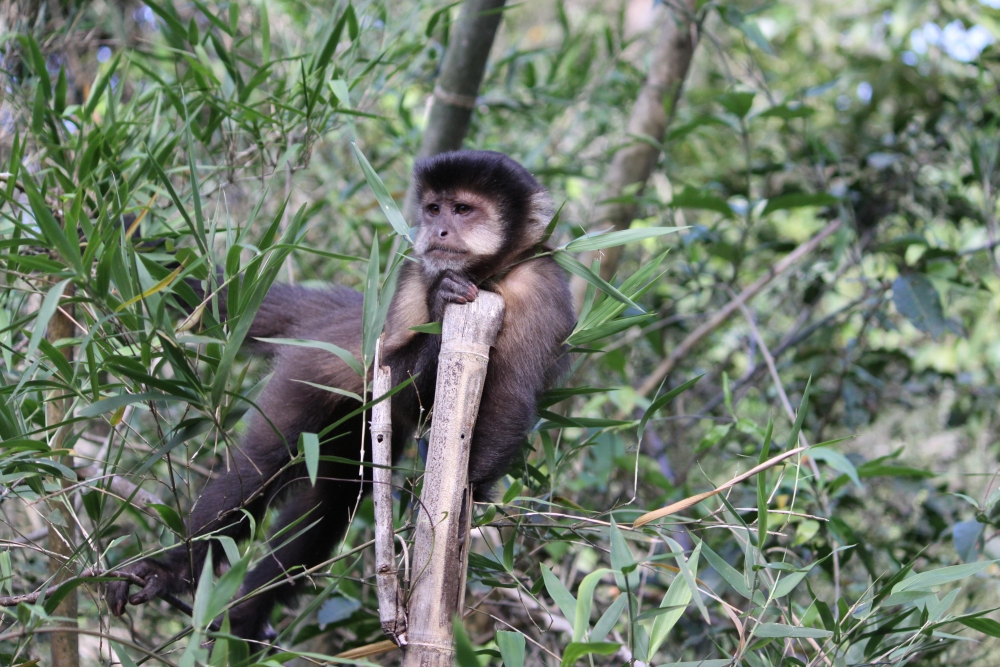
(219, 134)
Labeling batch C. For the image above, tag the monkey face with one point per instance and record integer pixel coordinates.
(457, 230)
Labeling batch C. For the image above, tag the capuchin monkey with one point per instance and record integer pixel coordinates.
(482, 216)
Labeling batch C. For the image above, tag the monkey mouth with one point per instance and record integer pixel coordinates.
(445, 249)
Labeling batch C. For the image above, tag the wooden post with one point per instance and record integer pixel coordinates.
(65, 645)
(441, 547)
(391, 607)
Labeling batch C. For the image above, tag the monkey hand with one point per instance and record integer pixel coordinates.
(452, 287)
(157, 579)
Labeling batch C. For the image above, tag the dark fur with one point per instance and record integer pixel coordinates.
(528, 358)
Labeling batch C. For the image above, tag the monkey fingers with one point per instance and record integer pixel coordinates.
(456, 288)
(157, 581)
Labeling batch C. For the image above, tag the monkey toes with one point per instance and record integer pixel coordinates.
(156, 578)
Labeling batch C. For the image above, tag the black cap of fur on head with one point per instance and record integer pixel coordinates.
(489, 173)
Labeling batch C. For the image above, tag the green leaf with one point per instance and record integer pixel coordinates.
(609, 618)
(576, 650)
(661, 401)
(265, 35)
(59, 104)
(53, 231)
(780, 630)
(601, 240)
(987, 626)
(123, 657)
(800, 416)
(115, 402)
(227, 585)
(511, 645)
(799, 200)
(310, 450)
(385, 201)
(45, 313)
(737, 103)
(787, 112)
(621, 559)
(701, 663)
(559, 594)
(584, 336)
(513, 492)
(339, 88)
(788, 582)
(345, 355)
(762, 487)
(699, 199)
(170, 517)
(837, 461)
(97, 90)
(942, 575)
(917, 300)
(202, 595)
(584, 603)
(37, 63)
(726, 571)
(576, 268)
(678, 596)
(429, 328)
(465, 652)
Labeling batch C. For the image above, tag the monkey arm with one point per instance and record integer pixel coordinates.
(539, 317)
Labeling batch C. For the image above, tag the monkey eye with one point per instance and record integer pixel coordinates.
(433, 209)
(463, 209)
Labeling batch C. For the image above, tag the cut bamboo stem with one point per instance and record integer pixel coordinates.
(441, 547)
(391, 607)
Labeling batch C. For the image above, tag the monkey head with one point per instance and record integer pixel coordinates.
(478, 210)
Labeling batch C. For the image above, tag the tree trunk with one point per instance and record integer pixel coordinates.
(633, 163)
(441, 548)
(65, 645)
(458, 83)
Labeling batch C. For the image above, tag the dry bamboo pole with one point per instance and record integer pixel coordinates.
(391, 607)
(440, 551)
(654, 108)
(454, 97)
(66, 644)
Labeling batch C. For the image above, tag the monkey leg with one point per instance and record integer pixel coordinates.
(310, 523)
(243, 482)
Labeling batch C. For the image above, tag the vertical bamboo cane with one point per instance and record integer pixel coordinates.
(391, 607)
(65, 645)
(441, 548)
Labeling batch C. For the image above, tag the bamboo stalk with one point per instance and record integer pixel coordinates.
(454, 97)
(441, 549)
(65, 645)
(653, 112)
(391, 607)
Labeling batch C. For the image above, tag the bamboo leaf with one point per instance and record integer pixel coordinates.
(602, 240)
(347, 356)
(310, 450)
(576, 268)
(45, 313)
(559, 594)
(382, 195)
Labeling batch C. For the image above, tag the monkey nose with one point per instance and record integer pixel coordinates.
(442, 233)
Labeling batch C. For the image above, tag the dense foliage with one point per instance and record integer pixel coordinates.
(148, 144)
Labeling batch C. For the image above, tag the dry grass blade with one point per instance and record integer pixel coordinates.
(694, 500)
(378, 648)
